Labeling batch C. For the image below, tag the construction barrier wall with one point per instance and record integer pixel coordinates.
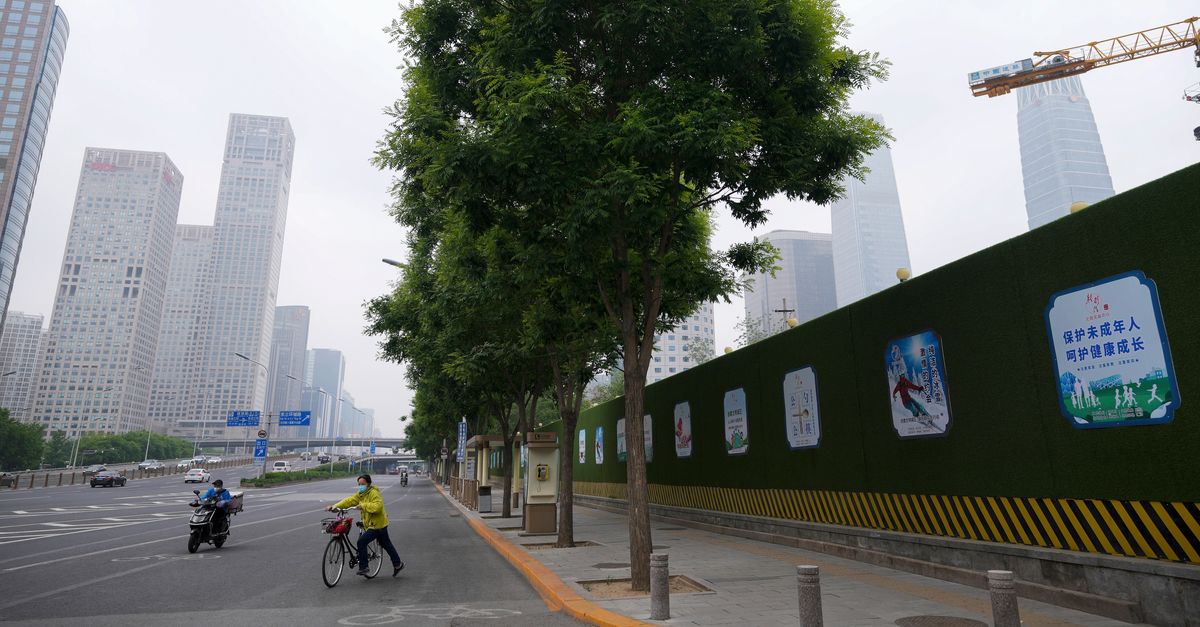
(1010, 466)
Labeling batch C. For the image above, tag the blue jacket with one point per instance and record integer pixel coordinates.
(223, 496)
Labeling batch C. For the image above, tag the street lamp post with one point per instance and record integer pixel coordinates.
(308, 432)
(267, 373)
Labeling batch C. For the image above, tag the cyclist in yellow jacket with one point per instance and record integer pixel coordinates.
(374, 521)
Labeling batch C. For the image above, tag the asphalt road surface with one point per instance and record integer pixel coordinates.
(118, 556)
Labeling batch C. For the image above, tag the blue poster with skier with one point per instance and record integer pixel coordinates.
(917, 389)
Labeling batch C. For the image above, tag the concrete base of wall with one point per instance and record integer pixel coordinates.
(1128, 589)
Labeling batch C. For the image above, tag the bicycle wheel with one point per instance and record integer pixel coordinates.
(333, 562)
(374, 559)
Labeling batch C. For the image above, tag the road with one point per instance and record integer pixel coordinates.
(118, 556)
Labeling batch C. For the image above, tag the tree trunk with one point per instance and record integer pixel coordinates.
(635, 469)
(566, 478)
(506, 508)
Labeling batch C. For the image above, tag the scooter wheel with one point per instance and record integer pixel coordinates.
(194, 542)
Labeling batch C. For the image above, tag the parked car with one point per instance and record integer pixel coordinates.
(199, 460)
(151, 464)
(107, 478)
(323, 458)
(213, 460)
(281, 466)
(187, 463)
(93, 469)
(198, 475)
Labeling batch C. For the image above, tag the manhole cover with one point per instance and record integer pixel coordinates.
(607, 565)
(939, 621)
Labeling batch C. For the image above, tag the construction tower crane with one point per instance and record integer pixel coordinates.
(1048, 66)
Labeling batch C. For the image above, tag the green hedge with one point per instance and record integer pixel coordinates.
(1008, 436)
(316, 473)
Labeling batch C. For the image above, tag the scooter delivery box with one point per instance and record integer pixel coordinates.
(235, 502)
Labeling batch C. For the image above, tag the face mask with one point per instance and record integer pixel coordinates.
(362, 488)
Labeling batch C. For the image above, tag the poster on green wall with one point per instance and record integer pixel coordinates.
(583, 446)
(1111, 357)
(802, 416)
(737, 430)
(683, 430)
(599, 445)
(916, 374)
(648, 438)
(621, 440)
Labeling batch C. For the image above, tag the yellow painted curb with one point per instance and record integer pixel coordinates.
(557, 594)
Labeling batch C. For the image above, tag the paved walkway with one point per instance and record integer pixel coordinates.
(754, 583)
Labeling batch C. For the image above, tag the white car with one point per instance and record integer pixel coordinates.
(281, 466)
(187, 463)
(198, 475)
(213, 460)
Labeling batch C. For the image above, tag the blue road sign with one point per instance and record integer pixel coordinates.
(260, 451)
(372, 447)
(297, 418)
(243, 418)
(462, 441)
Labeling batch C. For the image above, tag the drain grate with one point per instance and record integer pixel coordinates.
(611, 565)
(939, 621)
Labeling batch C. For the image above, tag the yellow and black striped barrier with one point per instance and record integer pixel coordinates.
(1146, 529)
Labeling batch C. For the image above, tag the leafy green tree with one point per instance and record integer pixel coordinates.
(59, 449)
(21, 443)
(620, 127)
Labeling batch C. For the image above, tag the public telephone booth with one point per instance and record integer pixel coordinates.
(541, 483)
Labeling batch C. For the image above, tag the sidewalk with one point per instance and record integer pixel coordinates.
(754, 583)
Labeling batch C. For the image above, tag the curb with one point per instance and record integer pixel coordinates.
(557, 594)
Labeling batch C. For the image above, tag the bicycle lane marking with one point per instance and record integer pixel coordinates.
(148, 542)
(435, 612)
(92, 582)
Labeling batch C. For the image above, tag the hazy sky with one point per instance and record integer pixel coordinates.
(163, 76)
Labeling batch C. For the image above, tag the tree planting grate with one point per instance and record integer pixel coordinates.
(939, 621)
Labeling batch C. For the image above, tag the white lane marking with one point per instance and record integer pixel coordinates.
(90, 582)
(122, 548)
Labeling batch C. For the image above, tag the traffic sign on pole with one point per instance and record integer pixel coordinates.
(295, 418)
(243, 418)
(445, 452)
(372, 447)
(461, 453)
(262, 433)
(260, 452)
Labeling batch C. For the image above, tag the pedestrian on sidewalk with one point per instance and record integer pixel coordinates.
(374, 521)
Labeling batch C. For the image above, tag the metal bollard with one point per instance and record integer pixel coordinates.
(1004, 598)
(660, 587)
(808, 582)
(60, 479)
(46, 480)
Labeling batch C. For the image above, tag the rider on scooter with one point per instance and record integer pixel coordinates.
(221, 510)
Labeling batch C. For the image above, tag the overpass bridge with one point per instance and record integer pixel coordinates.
(289, 444)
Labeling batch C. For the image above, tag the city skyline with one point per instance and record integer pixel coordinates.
(1062, 152)
(103, 336)
(802, 288)
(31, 56)
(958, 171)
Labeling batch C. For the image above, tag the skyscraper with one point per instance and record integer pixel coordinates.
(251, 214)
(289, 343)
(176, 405)
(20, 357)
(103, 335)
(326, 370)
(675, 349)
(1062, 160)
(802, 287)
(869, 244)
(31, 55)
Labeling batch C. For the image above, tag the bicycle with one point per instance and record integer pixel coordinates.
(339, 547)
